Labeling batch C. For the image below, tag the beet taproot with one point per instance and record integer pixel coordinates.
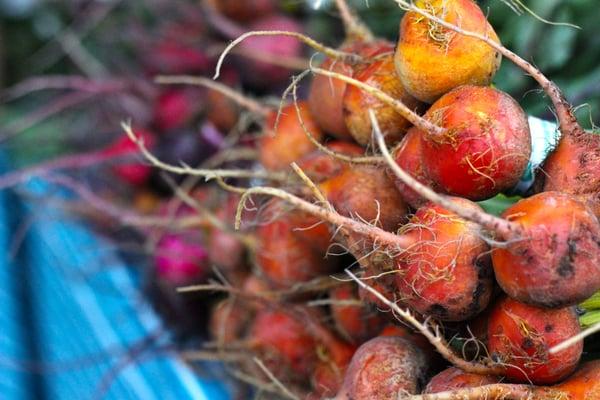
(355, 321)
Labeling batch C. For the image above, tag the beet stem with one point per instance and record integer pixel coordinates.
(399, 106)
(376, 235)
(70, 161)
(225, 90)
(575, 339)
(310, 136)
(328, 51)
(208, 174)
(435, 337)
(354, 27)
(274, 379)
(124, 216)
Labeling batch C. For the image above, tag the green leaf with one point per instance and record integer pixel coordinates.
(497, 205)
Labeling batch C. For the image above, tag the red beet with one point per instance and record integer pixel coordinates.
(285, 344)
(221, 110)
(334, 358)
(327, 95)
(320, 166)
(379, 73)
(366, 192)
(135, 173)
(292, 246)
(431, 355)
(574, 168)
(169, 57)
(244, 11)
(225, 249)
(288, 143)
(175, 109)
(228, 321)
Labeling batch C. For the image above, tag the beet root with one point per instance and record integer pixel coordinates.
(319, 166)
(454, 378)
(326, 97)
(243, 11)
(288, 142)
(380, 74)
(261, 74)
(228, 321)
(366, 192)
(292, 246)
(382, 368)
(408, 156)
(486, 146)
(131, 172)
(355, 322)
(583, 384)
(284, 344)
(328, 376)
(181, 259)
(520, 337)
(574, 168)
(432, 60)
(557, 260)
(447, 272)
(432, 357)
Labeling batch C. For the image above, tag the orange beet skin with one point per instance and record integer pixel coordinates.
(486, 146)
(521, 336)
(432, 60)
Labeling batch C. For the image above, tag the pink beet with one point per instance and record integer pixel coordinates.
(175, 109)
(134, 172)
(180, 260)
(266, 74)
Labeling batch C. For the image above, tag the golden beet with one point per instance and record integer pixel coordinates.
(432, 60)
(574, 168)
(326, 94)
(380, 74)
(486, 147)
(289, 142)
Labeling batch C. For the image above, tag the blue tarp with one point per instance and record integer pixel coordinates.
(74, 323)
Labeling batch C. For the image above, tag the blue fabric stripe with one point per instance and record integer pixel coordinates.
(62, 319)
(56, 237)
(14, 382)
(98, 312)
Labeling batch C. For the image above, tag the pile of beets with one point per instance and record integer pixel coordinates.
(334, 235)
(361, 266)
